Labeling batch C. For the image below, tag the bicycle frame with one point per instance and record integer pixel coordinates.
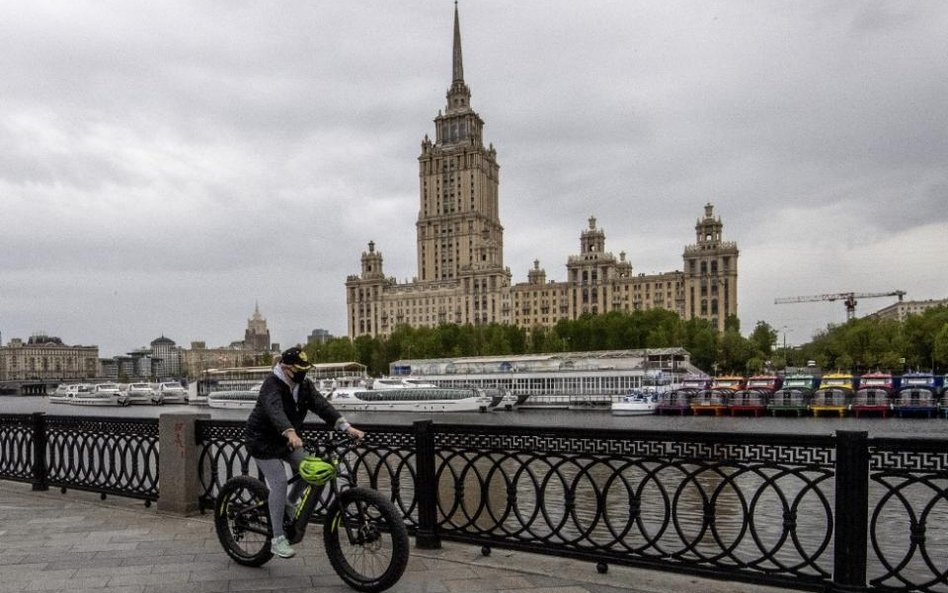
(295, 528)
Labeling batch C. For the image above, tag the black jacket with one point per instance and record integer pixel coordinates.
(276, 411)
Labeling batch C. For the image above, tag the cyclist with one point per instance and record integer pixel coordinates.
(273, 428)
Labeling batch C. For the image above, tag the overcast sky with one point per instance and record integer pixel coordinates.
(166, 165)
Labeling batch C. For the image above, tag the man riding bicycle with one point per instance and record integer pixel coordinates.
(273, 432)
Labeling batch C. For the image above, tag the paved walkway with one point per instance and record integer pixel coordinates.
(74, 542)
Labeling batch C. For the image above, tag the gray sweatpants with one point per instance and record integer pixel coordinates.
(274, 471)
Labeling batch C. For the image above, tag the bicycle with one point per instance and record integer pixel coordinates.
(364, 534)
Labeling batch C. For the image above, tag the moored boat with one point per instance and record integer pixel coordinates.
(710, 401)
(170, 392)
(234, 396)
(917, 396)
(676, 401)
(834, 395)
(873, 395)
(752, 399)
(400, 383)
(794, 395)
(140, 394)
(411, 399)
(572, 380)
(64, 391)
(636, 403)
(102, 394)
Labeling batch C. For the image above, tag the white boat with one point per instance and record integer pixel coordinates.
(636, 403)
(400, 383)
(140, 394)
(410, 399)
(170, 392)
(574, 380)
(239, 397)
(103, 394)
(61, 394)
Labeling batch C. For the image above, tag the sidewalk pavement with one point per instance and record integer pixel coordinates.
(77, 543)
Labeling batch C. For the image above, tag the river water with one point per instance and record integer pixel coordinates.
(876, 427)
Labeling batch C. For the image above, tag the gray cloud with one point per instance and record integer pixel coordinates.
(167, 165)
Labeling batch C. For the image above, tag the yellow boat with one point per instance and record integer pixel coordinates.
(834, 395)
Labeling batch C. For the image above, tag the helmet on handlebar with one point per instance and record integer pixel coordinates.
(316, 471)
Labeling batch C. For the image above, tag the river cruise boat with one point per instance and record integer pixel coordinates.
(710, 402)
(752, 400)
(636, 403)
(572, 380)
(917, 396)
(234, 396)
(87, 394)
(64, 392)
(400, 383)
(794, 395)
(411, 399)
(676, 402)
(140, 394)
(170, 392)
(874, 395)
(834, 395)
(729, 382)
(324, 375)
(768, 383)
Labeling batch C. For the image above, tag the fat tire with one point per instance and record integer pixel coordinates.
(387, 522)
(243, 490)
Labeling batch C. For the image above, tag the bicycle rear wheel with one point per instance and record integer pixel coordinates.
(366, 540)
(242, 520)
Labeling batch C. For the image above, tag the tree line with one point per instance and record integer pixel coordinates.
(861, 345)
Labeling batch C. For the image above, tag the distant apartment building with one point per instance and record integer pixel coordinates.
(319, 336)
(47, 357)
(902, 309)
(459, 240)
(200, 358)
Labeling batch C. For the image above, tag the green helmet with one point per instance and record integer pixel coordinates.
(316, 471)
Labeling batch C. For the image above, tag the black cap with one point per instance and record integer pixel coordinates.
(296, 358)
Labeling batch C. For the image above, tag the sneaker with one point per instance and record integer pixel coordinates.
(281, 547)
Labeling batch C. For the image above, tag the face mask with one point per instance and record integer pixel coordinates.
(298, 376)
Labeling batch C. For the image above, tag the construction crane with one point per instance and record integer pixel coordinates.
(848, 298)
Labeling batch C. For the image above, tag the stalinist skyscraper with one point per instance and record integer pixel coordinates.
(460, 241)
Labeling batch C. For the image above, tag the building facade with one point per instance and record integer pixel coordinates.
(461, 275)
(257, 336)
(902, 309)
(47, 358)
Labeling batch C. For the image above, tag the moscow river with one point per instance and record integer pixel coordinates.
(876, 427)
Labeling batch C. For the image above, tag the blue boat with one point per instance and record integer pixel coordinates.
(917, 396)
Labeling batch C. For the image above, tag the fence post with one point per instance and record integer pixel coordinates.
(178, 479)
(426, 490)
(852, 511)
(40, 469)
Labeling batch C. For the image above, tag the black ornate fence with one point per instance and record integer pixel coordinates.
(838, 513)
(105, 455)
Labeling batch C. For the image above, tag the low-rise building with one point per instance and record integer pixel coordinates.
(44, 357)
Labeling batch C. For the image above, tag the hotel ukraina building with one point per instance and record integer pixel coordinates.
(460, 249)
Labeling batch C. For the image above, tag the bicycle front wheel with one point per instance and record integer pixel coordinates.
(242, 520)
(366, 540)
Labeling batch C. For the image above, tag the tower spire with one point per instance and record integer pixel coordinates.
(458, 70)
